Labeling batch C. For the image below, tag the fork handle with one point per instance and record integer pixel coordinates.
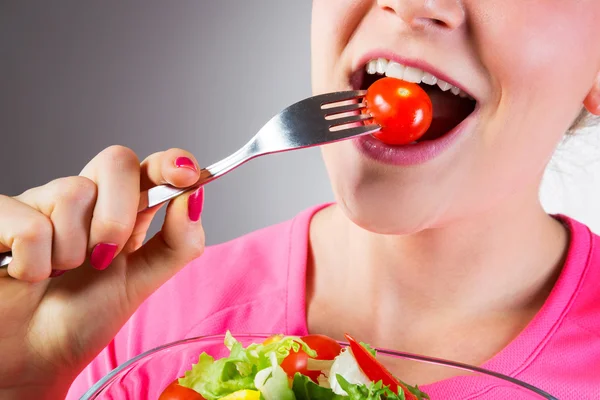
(162, 193)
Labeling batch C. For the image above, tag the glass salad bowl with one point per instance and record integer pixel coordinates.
(147, 375)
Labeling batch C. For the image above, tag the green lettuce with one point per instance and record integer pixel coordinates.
(416, 391)
(273, 382)
(214, 379)
(257, 354)
(376, 391)
(305, 389)
(369, 348)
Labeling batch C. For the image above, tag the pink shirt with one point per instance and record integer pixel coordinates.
(257, 284)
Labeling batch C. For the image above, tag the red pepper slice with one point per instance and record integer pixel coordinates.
(374, 370)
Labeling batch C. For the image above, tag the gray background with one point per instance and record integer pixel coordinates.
(77, 76)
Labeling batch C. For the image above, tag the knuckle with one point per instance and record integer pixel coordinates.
(4, 202)
(23, 273)
(154, 157)
(196, 246)
(77, 190)
(184, 250)
(29, 193)
(115, 229)
(120, 156)
(197, 252)
(175, 151)
(37, 229)
(70, 259)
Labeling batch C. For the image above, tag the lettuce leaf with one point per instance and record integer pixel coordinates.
(416, 391)
(216, 379)
(257, 354)
(376, 391)
(273, 382)
(369, 348)
(305, 389)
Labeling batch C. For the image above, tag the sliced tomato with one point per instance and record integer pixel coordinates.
(177, 392)
(376, 371)
(326, 348)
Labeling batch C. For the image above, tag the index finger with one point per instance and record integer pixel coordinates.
(116, 172)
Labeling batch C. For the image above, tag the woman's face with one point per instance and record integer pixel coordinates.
(528, 63)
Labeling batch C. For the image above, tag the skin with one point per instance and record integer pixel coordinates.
(440, 245)
(460, 245)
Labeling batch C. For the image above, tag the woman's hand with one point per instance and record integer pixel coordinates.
(80, 270)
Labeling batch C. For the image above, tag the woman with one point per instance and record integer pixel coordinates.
(444, 250)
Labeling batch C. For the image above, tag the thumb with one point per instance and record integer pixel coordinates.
(180, 241)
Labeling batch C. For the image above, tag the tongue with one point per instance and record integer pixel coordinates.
(449, 110)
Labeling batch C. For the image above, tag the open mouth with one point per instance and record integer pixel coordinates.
(451, 104)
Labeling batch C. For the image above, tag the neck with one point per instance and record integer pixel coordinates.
(506, 259)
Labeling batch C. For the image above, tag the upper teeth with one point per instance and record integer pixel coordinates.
(393, 69)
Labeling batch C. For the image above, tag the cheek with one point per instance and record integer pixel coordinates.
(542, 62)
(336, 20)
(540, 56)
(333, 25)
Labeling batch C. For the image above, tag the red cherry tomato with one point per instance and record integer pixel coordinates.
(326, 348)
(402, 108)
(376, 371)
(176, 392)
(297, 362)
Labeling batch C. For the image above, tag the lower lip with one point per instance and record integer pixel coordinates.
(412, 154)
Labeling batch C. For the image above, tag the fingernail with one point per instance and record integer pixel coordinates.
(57, 272)
(102, 255)
(195, 204)
(184, 162)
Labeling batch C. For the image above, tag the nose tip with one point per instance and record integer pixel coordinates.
(419, 14)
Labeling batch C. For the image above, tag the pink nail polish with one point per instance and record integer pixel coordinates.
(184, 162)
(56, 273)
(195, 204)
(102, 255)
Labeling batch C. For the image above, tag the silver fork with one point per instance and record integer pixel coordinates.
(311, 122)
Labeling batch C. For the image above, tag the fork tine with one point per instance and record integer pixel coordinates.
(348, 120)
(335, 97)
(355, 131)
(343, 109)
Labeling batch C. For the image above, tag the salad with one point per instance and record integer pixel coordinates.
(313, 367)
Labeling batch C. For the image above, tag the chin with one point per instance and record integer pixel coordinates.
(386, 211)
(384, 199)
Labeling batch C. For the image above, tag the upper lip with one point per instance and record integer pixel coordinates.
(421, 64)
